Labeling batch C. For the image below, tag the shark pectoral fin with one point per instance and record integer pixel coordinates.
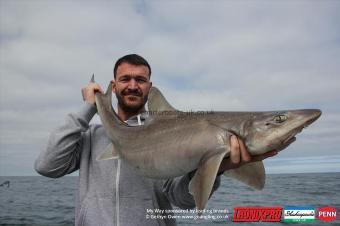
(157, 102)
(202, 183)
(252, 174)
(109, 153)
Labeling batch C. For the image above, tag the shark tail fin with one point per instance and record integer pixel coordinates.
(157, 102)
(109, 153)
(252, 174)
(202, 183)
(111, 122)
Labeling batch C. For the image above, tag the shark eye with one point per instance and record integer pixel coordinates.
(280, 118)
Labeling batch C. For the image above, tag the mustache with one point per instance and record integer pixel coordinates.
(134, 92)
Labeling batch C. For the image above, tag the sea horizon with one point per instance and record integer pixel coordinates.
(73, 174)
(38, 200)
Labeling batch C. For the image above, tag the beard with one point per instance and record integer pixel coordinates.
(131, 108)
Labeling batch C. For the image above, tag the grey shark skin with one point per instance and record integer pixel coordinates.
(172, 143)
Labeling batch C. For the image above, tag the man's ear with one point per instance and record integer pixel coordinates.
(150, 87)
(113, 82)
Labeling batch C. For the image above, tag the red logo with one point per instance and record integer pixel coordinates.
(255, 214)
(327, 213)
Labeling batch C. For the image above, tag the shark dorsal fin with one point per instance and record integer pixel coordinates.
(157, 102)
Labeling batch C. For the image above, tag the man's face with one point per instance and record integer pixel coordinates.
(132, 85)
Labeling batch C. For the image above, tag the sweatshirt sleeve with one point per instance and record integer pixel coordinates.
(177, 191)
(62, 154)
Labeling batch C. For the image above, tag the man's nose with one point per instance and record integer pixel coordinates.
(132, 84)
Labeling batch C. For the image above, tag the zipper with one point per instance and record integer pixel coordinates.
(117, 192)
(118, 177)
(138, 119)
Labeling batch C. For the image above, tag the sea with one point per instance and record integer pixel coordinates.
(37, 200)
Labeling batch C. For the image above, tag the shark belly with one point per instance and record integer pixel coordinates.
(178, 154)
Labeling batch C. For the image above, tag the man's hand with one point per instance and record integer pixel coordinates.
(88, 92)
(239, 155)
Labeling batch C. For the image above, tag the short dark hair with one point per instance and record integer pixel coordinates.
(133, 59)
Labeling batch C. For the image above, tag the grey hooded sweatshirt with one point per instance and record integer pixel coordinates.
(110, 192)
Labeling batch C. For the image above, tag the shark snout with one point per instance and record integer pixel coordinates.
(311, 116)
(303, 118)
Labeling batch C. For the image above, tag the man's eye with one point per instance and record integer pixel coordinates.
(141, 80)
(124, 79)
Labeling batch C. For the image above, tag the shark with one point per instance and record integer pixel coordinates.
(172, 143)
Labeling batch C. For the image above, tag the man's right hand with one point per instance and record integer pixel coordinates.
(239, 155)
(89, 91)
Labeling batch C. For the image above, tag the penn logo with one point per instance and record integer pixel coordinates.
(327, 214)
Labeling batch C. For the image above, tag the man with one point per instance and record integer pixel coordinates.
(111, 192)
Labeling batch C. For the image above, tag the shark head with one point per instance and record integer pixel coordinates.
(276, 130)
(261, 131)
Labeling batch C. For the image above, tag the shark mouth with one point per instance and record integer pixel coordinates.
(289, 140)
(291, 137)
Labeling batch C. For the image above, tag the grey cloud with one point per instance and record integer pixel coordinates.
(205, 56)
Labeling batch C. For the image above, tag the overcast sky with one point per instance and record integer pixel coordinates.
(205, 55)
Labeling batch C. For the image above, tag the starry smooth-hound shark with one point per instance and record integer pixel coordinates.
(172, 143)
